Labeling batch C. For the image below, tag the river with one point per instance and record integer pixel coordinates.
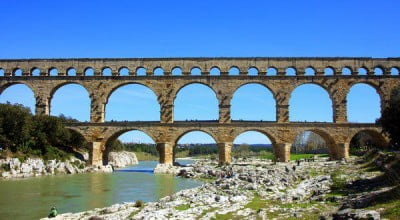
(32, 198)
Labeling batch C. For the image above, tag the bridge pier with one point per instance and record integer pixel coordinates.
(224, 153)
(342, 151)
(282, 152)
(96, 153)
(42, 106)
(166, 152)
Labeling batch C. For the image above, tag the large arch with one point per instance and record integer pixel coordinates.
(129, 138)
(259, 142)
(363, 103)
(71, 100)
(196, 141)
(196, 101)
(18, 93)
(304, 107)
(132, 102)
(315, 141)
(373, 138)
(253, 101)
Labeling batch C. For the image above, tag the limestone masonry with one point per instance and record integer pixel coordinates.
(167, 132)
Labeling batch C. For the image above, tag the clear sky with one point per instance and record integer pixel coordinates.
(62, 29)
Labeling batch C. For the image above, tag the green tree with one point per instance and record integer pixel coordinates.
(15, 126)
(390, 119)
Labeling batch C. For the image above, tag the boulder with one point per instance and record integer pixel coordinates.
(359, 214)
(122, 159)
(69, 168)
(166, 169)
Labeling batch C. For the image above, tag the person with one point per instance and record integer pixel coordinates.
(53, 212)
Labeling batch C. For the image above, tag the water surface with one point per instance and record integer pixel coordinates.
(32, 198)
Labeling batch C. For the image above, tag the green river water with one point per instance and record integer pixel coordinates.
(32, 198)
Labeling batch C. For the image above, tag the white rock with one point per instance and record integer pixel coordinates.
(166, 169)
(122, 159)
(26, 168)
(69, 168)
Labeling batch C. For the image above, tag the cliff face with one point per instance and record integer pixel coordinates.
(122, 159)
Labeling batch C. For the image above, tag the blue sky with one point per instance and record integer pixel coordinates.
(62, 29)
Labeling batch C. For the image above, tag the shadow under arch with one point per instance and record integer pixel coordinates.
(114, 137)
(329, 141)
(319, 86)
(375, 139)
(78, 139)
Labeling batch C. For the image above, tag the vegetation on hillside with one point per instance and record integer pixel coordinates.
(24, 134)
(390, 119)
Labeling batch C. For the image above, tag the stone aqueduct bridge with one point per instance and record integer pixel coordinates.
(167, 132)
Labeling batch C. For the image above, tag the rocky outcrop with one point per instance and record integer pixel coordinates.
(230, 190)
(122, 158)
(14, 168)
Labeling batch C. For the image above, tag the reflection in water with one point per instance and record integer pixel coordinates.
(80, 192)
(165, 185)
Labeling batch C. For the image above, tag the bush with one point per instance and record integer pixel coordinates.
(41, 135)
(139, 204)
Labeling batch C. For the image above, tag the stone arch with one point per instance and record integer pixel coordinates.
(329, 141)
(213, 71)
(176, 71)
(25, 96)
(232, 71)
(35, 71)
(2, 72)
(5, 86)
(371, 86)
(346, 69)
(194, 69)
(89, 71)
(153, 102)
(329, 71)
(106, 68)
(117, 86)
(122, 68)
(272, 71)
(139, 70)
(158, 71)
(324, 88)
(17, 72)
(59, 86)
(195, 82)
(70, 71)
(269, 91)
(310, 71)
(51, 71)
(291, 71)
(180, 134)
(116, 135)
(378, 70)
(253, 71)
(267, 134)
(208, 114)
(376, 136)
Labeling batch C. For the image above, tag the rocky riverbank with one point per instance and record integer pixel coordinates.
(254, 189)
(31, 167)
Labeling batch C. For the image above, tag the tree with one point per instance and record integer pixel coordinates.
(390, 119)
